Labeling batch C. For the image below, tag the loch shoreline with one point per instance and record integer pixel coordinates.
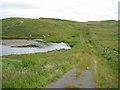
(16, 42)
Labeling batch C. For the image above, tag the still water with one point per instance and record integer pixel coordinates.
(42, 47)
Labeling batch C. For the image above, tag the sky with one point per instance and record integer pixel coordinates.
(76, 10)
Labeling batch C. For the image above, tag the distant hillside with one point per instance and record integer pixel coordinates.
(37, 28)
(48, 27)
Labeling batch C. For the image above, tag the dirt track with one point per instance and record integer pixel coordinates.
(69, 80)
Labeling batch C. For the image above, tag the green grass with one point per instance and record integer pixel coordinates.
(83, 64)
(87, 39)
(106, 77)
(12, 28)
(105, 35)
(38, 70)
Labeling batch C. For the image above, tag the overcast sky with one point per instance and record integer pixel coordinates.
(77, 10)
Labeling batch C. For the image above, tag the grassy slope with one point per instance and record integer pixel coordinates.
(105, 35)
(37, 28)
(88, 40)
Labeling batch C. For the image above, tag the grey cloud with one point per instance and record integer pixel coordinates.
(17, 5)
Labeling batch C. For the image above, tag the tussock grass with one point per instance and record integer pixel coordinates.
(36, 71)
(84, 64)
(105, 35)
(106, 77)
